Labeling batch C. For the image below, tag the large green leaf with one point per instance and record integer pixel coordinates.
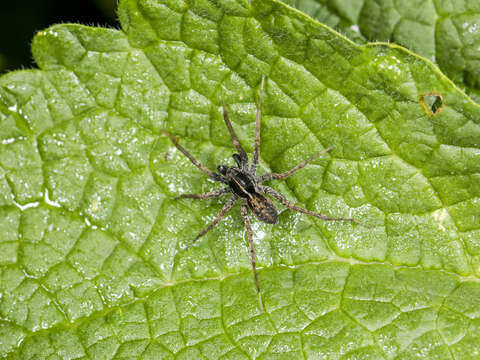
(91, 259)
(447, 32)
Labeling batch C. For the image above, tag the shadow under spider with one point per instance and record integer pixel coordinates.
(242, 182)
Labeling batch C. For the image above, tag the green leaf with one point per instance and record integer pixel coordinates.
(446, 32)
(91, 248)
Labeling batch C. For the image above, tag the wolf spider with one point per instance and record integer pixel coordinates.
(242, 183)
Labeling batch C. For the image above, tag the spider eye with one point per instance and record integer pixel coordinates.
(222, 169)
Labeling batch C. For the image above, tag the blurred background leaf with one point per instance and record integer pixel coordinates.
(445, 32)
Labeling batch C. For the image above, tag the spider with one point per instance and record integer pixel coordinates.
(243, 184)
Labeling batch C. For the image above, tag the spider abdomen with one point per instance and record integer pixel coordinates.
(263, 208)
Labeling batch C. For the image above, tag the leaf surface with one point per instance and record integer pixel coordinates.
(91, 249)
(446, 32)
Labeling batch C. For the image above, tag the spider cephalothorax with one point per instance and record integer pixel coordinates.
(243, 183)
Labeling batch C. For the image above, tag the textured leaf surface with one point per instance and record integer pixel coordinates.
(447, 32)
(91, 259)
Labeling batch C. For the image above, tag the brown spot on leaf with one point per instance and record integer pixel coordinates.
(431, 103)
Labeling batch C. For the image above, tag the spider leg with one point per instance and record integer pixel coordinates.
(228, 205)
(236, 143)
(276, 176)
(282, 199)
(208, 172)
(208, 195)
(253, 258)
(256, 146)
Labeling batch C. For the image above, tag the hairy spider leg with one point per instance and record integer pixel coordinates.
(253, 257)
(228, 205)
(236, 143)
(208, 172)
(278, 176)
(274, 193)
(256, 144)
(208, 195)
